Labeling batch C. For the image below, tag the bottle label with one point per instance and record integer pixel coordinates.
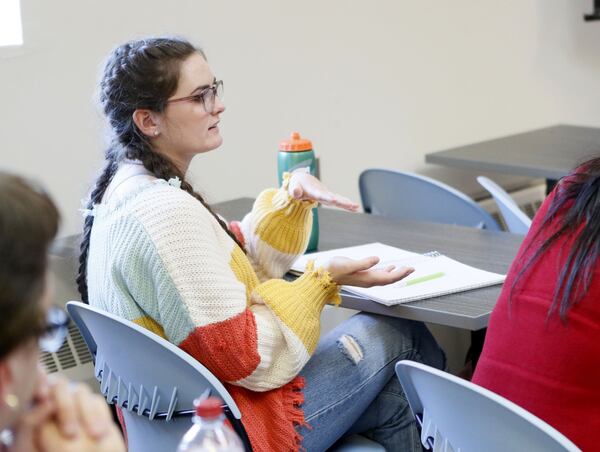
(302, 164)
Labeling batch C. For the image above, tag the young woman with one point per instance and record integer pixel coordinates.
(154, 252)
(542, 349)
(37, 415)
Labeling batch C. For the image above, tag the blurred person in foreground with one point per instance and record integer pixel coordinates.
(38, 413)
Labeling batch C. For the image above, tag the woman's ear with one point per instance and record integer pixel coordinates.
(147, 122)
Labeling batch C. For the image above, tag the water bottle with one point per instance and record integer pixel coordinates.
(296, 153)
(209, 432)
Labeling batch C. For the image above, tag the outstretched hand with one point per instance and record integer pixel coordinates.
(361, 272)
(307, 187)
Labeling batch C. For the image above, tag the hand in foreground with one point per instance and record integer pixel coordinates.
(41, 411)
(65, 417)
(360, 272)
(81, 422)
(307, 187)
(26, 429)
(52, 440)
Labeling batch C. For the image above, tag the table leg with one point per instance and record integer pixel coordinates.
(477, 339)
(550, 183)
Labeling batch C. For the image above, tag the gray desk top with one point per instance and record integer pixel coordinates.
(549, 153)
(493, 251)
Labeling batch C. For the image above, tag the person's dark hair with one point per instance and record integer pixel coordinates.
(579, 197)
(138, 74)
(28, 223)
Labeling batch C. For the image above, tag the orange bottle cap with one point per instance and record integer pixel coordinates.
(295, 143)
(208, 408)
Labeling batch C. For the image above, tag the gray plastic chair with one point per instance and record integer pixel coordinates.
(153, 381)
(130, 360)
(396, 194)
(516, 220)
(457, 415)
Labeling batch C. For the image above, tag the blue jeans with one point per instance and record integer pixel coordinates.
(351, 385)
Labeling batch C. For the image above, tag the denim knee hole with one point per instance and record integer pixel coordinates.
(350, 347)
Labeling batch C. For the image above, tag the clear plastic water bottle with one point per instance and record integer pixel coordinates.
(209, 432)
(297, 153)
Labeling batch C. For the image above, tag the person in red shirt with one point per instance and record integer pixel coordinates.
(542, 349)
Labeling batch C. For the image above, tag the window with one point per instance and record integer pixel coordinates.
(11, 30)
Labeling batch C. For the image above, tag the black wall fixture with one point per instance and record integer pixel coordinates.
(596, 14)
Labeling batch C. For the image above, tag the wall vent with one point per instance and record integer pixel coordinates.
(73, 353)
(73, 359)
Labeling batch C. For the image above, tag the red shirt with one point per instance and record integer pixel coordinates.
(542, 364)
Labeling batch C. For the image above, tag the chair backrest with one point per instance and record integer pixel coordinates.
(152, 380)
(457, 415)
(397, 194)
(516, 220)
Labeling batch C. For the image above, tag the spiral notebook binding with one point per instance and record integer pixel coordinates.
(433, 254)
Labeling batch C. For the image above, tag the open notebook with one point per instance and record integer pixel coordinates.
(434, 275)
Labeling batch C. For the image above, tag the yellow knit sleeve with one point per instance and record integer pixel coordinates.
(298, 304)
(283, 222)
(277, 230)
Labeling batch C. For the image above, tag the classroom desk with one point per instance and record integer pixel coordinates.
(493, 251)
(550, 153)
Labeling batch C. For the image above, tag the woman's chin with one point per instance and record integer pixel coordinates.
(213, 144)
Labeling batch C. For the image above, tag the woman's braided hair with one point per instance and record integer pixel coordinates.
(138, 74)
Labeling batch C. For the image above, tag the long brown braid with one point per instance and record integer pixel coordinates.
(138, 74)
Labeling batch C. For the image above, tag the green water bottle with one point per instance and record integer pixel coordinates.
(297, 153)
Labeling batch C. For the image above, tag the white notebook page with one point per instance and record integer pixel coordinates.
(447, 275)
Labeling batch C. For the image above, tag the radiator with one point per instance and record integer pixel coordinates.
(73, 359)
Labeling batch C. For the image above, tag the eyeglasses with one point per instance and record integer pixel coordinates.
(206, 96)
(54, 333)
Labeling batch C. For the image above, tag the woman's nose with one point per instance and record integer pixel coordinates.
(219, 106)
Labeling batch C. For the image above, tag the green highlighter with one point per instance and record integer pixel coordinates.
(421, 279)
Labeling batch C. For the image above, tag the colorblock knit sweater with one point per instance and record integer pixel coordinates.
(159, 258)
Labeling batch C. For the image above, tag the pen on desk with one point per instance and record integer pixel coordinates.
(421, 279)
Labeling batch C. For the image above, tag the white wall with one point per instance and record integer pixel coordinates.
(372, 83)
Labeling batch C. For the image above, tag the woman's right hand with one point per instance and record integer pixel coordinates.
(360, 272)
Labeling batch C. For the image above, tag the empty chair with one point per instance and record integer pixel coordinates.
(153, 381)
(457, 415)
(397, 194)
(515, 219)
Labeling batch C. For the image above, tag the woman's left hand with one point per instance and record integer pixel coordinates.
(308, 188)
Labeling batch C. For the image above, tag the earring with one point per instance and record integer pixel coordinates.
(156, 133)
(12, 401)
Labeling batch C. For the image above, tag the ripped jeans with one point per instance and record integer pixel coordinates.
(351, 385)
